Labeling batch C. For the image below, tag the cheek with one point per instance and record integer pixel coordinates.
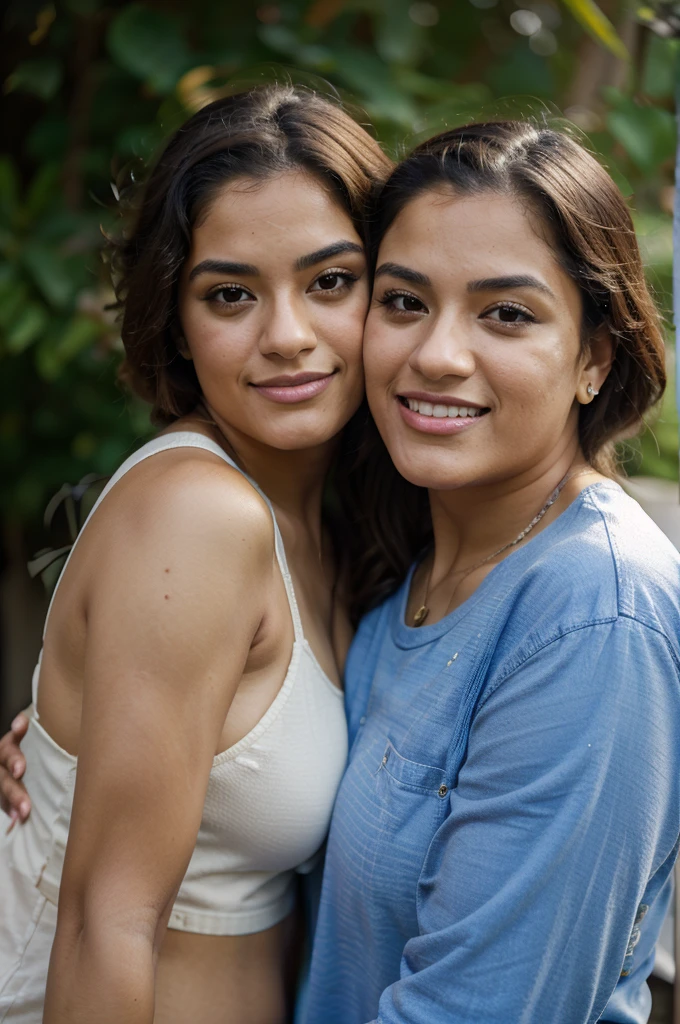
(383, 355)
(341, 328)
(534, 378)
(217, 344)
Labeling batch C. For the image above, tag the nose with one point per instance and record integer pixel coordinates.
(288, 330)
(445, 351)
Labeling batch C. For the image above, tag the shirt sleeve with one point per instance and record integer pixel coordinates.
(564, 816)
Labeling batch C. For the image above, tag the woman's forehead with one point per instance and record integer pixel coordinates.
(467, 234)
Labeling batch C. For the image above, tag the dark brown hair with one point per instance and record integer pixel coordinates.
(264, 131)
(258, 133)
(592, 230)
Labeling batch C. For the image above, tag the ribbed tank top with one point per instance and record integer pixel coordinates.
(269, 796)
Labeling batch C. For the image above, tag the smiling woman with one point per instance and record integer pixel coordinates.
(187, 733)
(503, 838)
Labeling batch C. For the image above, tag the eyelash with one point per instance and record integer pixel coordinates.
(389, 297)
(388, 302)
(529, 318)
(345, 276)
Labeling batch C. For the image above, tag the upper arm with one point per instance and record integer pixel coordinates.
(171, 613)
(566, 806)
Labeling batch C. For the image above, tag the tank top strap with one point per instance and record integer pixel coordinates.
(280, 550)
(189, 439)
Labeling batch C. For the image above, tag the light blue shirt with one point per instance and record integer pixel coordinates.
(502, 842)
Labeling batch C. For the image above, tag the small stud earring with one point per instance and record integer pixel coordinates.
(590, 390)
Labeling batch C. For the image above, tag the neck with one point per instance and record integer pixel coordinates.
(292, 480)
(472, 522)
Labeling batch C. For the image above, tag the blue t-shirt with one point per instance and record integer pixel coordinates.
(502, 842)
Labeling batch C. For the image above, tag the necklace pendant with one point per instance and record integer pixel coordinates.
(421, 615)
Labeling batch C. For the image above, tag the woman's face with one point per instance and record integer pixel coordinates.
(472, 346)
(273, 299)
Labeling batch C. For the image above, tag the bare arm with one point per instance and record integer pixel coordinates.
(172, 613)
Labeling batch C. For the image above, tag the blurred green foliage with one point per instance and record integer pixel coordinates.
(93, 85)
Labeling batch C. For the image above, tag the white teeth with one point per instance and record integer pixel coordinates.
(442, 411)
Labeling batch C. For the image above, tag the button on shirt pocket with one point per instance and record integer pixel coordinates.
(411, 775)
(409, 802)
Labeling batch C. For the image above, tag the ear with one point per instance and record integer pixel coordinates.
(595, 365)
(181, 342)
(183, 348)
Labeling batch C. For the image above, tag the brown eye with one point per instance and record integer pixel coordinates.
(232, 293)
(402, 302)
(513, 315)
(333, 281)
(329, 281)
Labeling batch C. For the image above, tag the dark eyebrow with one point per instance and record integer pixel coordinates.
(224, 267)
(405, 273)
(328, 251)
(495, 284)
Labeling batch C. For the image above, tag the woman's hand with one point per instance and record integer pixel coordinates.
(14, 799)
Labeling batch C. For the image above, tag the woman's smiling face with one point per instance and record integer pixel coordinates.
(472, 348)
(272, 304)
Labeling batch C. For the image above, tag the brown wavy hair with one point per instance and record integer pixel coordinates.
(256, 134)
(595, 242)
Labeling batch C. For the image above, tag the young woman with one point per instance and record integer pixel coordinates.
(190, 661)
(503, 838)
(502, 843)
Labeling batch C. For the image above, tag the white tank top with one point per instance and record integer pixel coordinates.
(269, 797)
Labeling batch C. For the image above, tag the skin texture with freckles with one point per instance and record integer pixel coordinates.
(445, 323)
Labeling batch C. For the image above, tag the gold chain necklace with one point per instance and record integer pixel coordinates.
(422, 613)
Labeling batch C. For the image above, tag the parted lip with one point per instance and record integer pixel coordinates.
(428, 396)
(291, 380)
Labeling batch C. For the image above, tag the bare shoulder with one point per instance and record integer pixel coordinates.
(190, 499)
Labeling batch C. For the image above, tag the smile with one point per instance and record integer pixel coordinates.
(442, 411)
(288, 390)
(432, 417)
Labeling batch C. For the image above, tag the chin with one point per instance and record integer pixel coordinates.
(303, 437)
(436, 471)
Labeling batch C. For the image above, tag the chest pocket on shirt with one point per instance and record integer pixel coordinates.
(413, 776)
(409, 803)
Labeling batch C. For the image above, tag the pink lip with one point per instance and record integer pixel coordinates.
(295, 388)
(436, 425)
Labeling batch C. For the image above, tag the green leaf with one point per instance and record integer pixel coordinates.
(368, 76)
(48, 270)
(41, 78)
(63, 343)
(646, 133)
(658, 77)
(80, 333)
(42, 190)
(398, 39)
(14, 294)
(598, 25)
(150, 46)
(27, 327)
